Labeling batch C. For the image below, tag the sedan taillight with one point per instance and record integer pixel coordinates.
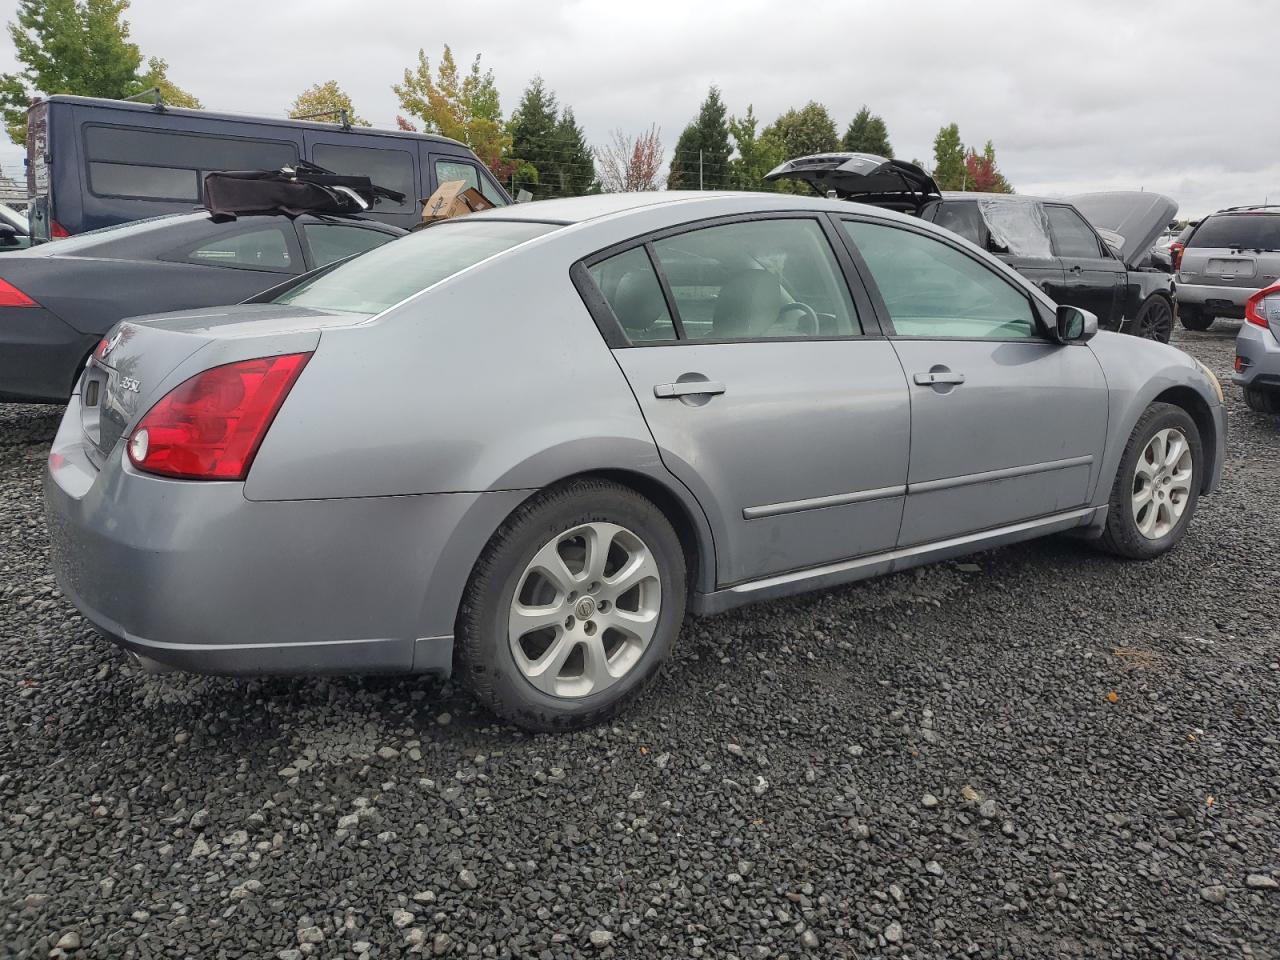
(1175, 254)
(1254, 309)
(210, 427)
(11, 296)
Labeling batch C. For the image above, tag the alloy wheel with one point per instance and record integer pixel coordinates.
(584, 610)
(1162, 483)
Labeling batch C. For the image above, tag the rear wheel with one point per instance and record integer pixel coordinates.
(1263, 401)
(1157, 486)
(1193, 318)
(1154, 320)
(575, 602)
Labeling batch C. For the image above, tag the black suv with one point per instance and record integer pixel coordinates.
(1091, 251)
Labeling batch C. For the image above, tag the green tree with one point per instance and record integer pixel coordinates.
(948, 159)
(701, 156)
(754, 156)
(79, 47)
(798, 133)
(867, 134)
(549, 141)
(326, 98)
(465, 108)
(576, 167)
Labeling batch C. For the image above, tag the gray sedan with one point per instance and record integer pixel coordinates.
(521, 445)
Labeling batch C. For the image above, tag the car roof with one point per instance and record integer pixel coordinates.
(1003, 197)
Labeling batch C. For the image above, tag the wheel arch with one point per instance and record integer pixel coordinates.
(1190, 400)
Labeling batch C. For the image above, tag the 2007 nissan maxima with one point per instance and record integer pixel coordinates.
(522, 444)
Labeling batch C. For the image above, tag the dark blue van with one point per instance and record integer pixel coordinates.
(94, 163)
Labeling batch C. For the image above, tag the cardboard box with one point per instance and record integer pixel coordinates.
(453, 199)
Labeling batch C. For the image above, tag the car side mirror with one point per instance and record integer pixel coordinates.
(1073, 325)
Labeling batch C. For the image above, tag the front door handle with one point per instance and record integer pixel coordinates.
(1076, 269)
(935, 377)
(687, 388)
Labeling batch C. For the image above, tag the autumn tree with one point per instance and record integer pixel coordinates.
(325, 101)
(464, 107)
(80, 47)
(626, 164)
(948, 159)
(981, 173)
(867, 134)
(753, 157)
(701, 156)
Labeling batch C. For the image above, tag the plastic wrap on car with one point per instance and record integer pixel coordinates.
(1021, 228)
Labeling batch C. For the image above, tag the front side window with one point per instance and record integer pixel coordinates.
(257, 249)
(635, 296)
(933, 290)
(392, 169)
(393, 272)
(1071, 235)
(333, 241)
(757, 279)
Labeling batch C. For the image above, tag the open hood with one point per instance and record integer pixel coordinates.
(1138, 217)
(863, 177)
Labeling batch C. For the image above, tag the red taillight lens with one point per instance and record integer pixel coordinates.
(1253, 309)
(210, 427)
(57, 231)
(11, 296)
(1175, 254)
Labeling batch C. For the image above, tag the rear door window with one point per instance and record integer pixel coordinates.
(631, 287)
(1239, 231)
(392, 169)
(334, 241)
(1072, 237)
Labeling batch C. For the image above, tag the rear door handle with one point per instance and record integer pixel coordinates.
(1076, 269)
(932, 378)
(687, 388)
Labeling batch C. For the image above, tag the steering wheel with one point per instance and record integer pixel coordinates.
(808, 324)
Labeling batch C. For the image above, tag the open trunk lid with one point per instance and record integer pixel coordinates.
(143, 358)
(862, 177)
(1137, 216)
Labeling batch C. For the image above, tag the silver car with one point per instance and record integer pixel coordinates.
(1228, 257)
(521, 445)
(1257, 366)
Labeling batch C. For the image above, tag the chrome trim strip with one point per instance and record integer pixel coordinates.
(947, 483)
(843, 566)
(817, 503)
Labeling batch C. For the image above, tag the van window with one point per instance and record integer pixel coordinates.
(152, 183)
(392, 169)
(450, 170)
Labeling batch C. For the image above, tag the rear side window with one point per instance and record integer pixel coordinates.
(635, 295)
(1239, 231)
(265, 249)
(932, 290)
(332, 241)
(963, 219)
(395, 271)
(1071, 235)
(392, 169)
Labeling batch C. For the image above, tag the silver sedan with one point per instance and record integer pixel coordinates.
(521, 445)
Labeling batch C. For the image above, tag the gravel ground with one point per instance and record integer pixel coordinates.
(1041, 752)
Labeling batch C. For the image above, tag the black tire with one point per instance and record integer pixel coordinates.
(483, 658)
(1262, 401)
(1155, 319)
(1195, 319)
(1121, 535)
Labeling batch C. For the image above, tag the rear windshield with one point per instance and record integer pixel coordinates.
(376, 280)
(1241, 231)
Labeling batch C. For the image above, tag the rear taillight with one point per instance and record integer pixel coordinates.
(1175, 254)
(11, 296)
(57, 231)
(210, 427)
(1253, 309)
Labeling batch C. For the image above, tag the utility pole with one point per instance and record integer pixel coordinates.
(699, 169)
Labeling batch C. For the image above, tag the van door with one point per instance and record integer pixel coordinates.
(392, 166)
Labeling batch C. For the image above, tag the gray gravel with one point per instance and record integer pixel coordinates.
(1039, 752)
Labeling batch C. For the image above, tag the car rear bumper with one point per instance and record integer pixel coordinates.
(39, 355)
(194, 576)
(1228, 300)
(1260, 350)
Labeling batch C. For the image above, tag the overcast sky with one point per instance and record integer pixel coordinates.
(1076, 95)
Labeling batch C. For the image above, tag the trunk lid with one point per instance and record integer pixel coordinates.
(143, 358)
(862, 177)
(1136, 216)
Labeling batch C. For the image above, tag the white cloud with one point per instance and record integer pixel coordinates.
(1076, 96)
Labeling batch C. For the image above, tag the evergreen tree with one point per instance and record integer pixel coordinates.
(701, 156)
(798, 133)
(577, 167)
(867, 134)
(948, 159)
(550, 143)
(80, 47)
(754, 155)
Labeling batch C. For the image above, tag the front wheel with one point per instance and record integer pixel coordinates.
(1194, 318)
(1154, 320)
(575, 602)
(1157, 486)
